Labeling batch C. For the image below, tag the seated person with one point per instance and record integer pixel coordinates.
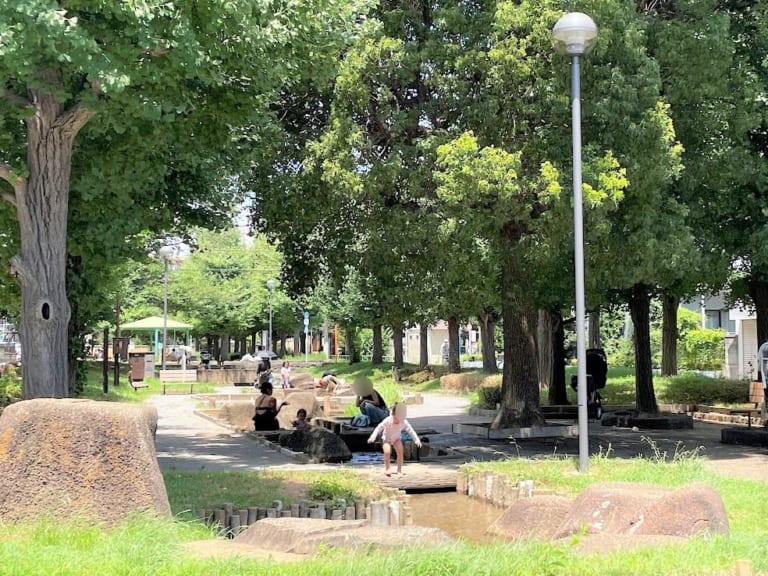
(370, 402)
(265, 416)
(301, 422)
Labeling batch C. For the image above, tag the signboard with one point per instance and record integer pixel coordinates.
(120, 347)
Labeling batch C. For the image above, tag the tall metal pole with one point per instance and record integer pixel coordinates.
(165, 312)
(269, 337)
(578, 239)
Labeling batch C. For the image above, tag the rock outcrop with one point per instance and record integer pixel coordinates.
(319, 444)
(74, 458)
(306, 535)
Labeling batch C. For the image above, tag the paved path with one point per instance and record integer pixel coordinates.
(188, 442)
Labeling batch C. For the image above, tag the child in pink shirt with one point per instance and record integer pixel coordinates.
(391, 429)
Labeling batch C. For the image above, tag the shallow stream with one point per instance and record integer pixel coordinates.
(458, 515)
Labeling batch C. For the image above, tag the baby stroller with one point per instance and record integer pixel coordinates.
(597, 374)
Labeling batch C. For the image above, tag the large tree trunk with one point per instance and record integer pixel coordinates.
(593, 339)
(639, 309)
(224, 347)
(77, 328)
(423, 346)
(487, 336)
(544, 343)
(454, 362)
(520, 380)
(397, 344)
(558, 392)
(41, 205)
(353, 354)
(669, 305)
(377, 354)
(758, 290)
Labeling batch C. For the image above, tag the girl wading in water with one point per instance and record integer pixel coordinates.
(391, 430)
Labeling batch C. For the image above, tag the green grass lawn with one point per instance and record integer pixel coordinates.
(152, 546)
(123, 392)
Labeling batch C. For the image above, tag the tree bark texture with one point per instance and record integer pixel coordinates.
(42, 206)
(397, 344)
(223, 347)
(423, 346)
(758, 291)
(669, 305)
(558, 391)
(593, 338)
(353, 354)
(640, 309)
(377, 354)
(454, 362)
(520, 379)
(487, 344)
(544, 345)
(76, 329)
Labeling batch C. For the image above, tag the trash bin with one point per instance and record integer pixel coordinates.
(137, 363)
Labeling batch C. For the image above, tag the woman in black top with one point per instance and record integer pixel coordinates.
(265, 416)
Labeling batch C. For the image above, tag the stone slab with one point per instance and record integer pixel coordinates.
(744, 436)
(485, 430)
(631, 419)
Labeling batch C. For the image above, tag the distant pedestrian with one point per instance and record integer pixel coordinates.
(391, 431)
(444, 347)
(285, 375)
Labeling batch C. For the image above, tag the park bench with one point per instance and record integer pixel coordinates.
(178, 378)
(136, 384)
(748, 412)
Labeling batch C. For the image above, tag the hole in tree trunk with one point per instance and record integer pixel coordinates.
(45, 311)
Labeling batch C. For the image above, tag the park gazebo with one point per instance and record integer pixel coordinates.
(155, 325)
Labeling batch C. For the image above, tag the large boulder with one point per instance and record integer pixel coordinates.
(302, 381)
(537, 517)
(72, 458)
(307, 535)
(239, 414)
(609, 507)
(645, 509)
(320, 444)
(692, 509)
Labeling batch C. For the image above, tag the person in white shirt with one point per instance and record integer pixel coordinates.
(391, 430)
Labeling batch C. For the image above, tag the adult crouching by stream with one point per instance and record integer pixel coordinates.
(369, 401)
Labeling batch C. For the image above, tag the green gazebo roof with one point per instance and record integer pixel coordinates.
(155, 323)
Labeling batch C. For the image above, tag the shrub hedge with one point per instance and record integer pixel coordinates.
(692, 388)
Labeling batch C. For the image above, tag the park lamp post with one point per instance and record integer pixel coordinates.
(165, 255)
(574, 35)
(270, 287)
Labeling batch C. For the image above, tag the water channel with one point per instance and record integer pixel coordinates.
(460, 516)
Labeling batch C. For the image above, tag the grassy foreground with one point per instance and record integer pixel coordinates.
(152, 546)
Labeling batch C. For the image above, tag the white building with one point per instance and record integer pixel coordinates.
(740, 325)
